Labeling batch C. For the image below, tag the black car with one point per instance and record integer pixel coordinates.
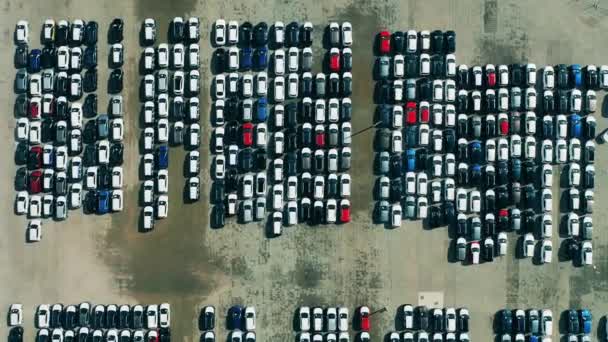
(89, 157)
(48, 130)
(548, 103)
(319, 164)
(219, 60)
(502, 197)
(306, 86)
(208, 320)
(89, 108)
(246, 160)
(305, 136)
(562, 102)
(104, 177)
(232, 180)
(516, 78)
(260, 34)
(137, 319)
(450, 42)
(346, 86)
(396, 190)
(306, 36)
(437, 66)
(490, 179)
(246, 34)
(488, 252)
(461, 227)
(292, 34)
(260, 160)
(21, 56)
(90, 80)
(411, 65)
(422, 318)
(383, 91)
(90, 132)
(590, 127)
(21, 179)
(83, 316)
(396, 166)
(61, 35)
(218, 191)
(16, 334)
(177, 31)
(449, 212)
(398, 42)
(572, 319)
(20, 107)
(291, 165)
(573, 249)
(334, 88)
(123, 319)
(99, 319)
(489, 103)
(562, 76)
(425, 89)
(437, 42)
(502, 173)
(318, 214)
(436, 217)
(115, 33)
(90, 33)
(291, 141)
(438, 323)
(61, 84)
(218, 216)
(462, 79)
(116, 154)
(529, 171)
(90, 57)
(115, 82)
(506, 321)
(347, 60)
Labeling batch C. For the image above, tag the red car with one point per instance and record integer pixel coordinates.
(35, 154)
(334, 60)
(34, 110)
(503, 218)
(247, 134)
(364, 318)
(425, 114)
(490, 76)
(36, 182)
(385, 42)
(410, 113)
(320, 136)
(344, 211)
(503, 123)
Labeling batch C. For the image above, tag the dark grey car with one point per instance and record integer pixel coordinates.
(383, 139)
(306, 159)
(333, 135)
(61, 133)
(102, 126)
(47, 81)
(382, 211)
(345, 158)
(21, 81)
(383, 67)
(306, 60)
(383, 162)
(61, 184)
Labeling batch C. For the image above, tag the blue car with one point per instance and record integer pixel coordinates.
(246, 58)
(577, 75)
(576, 127)
(262, 109)
(411, 159)
(34, 63)
(261, 58)
(103, 201)
(586, 319)
(476, 152)
(162, 157)
(235, 317)
(516, 169)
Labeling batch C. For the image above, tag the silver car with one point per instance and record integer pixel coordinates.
(384, 64)
(21, 82)
(382, 211)
(246, 211)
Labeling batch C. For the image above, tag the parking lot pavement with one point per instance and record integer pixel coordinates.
(104, 259)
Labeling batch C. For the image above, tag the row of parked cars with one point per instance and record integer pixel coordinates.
(86, 315)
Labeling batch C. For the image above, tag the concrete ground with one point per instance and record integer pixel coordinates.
(105, 260)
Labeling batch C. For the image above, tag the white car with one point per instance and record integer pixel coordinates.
(250, 318)
(220, 86)
(547, 200)
(152, 316)
(148, 192)
(233, 59)
(461, 200)
(398, 66)
(279, 62)
(233, 32)
(546, 322)
(450, 65)
(162, 55)
(164, 315)
(117, 126)
(293, 59)
(475, 201)
(548, 77)
(425, 64)
(396, 215)
(279, 89)
(22, 129)
(343, 319)
(347, 34)
(22, 32)
(528, 245)
(220, 32)
(117, 200)
(75, 196)
(304, 318)
(574, 174)
(587, 253)
(43, 316)
(531, 74)
(292, 85)
(450, 319)
(576, 100)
